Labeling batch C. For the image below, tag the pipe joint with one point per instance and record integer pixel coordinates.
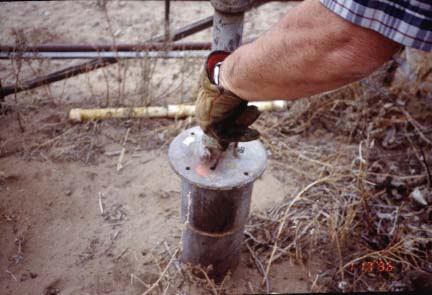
(231, 6)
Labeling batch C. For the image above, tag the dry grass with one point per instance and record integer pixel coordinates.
(352, 204)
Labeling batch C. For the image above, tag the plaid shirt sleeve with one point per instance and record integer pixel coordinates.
(408, 22)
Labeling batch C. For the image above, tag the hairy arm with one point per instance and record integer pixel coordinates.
(311, 50)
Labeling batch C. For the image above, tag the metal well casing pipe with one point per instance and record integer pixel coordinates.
(215, 226)
(215, 202)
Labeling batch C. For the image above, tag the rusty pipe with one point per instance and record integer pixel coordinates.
(99, 62)
(105, 54)
(149, 46)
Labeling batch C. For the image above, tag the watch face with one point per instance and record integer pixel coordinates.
(216, 73)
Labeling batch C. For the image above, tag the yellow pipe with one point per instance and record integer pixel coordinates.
(171, 111)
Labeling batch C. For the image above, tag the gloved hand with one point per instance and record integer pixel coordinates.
(220, 113)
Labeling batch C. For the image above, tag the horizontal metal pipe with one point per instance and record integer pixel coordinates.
(56, 76)
(265, 1)
(256, 2)
(99, 62)
(187, 30)
(151, 46)
(103, 54)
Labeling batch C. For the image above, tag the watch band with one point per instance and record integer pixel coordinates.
(216, 73)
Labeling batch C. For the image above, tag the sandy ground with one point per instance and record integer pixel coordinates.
(53, 209)
(54, 237)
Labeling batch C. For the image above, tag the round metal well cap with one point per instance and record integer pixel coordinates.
(230, 172)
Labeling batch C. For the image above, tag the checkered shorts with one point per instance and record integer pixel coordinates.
(408, 22)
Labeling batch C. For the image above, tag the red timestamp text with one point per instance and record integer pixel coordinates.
(372, 266)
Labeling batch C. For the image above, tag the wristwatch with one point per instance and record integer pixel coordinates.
(216, 74)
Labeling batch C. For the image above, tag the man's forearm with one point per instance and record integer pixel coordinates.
(309, 51)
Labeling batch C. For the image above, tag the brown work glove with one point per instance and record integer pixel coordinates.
(220, 113)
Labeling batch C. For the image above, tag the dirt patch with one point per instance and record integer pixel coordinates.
(88, 228)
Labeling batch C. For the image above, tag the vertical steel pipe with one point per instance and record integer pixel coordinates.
(227, 36)
(167, 20)
(228, 23)
(215, 202)
(227, 31)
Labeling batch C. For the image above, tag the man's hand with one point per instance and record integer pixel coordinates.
(222, 114)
